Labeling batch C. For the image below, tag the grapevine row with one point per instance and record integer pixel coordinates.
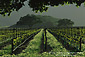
(72, 36)
(18, 41)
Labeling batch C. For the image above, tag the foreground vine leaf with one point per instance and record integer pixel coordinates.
(8, 6)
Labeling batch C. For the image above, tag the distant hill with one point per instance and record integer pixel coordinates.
(36, 21)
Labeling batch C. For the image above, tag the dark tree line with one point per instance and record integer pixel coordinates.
(29, 20)
(65, 23)
(7, 6)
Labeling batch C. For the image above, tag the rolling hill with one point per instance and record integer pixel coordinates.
(29, 21)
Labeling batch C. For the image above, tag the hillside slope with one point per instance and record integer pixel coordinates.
(44, 22)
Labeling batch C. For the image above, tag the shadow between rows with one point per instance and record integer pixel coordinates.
(67, 46)
(22, 47)
(42, 47)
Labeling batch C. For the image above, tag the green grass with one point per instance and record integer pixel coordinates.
(56, 46)
(34, 45)
(5, 50)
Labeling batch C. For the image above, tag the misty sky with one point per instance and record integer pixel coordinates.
(67, 11)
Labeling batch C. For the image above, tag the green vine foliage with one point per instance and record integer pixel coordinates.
(8, 6)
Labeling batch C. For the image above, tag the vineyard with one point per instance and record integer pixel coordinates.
(72, 37)
(49, 42)
(13, 38)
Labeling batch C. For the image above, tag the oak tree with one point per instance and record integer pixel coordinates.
(65, 23)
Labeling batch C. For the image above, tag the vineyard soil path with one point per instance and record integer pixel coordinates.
(55, 42)
(35, 43)
(26, 44)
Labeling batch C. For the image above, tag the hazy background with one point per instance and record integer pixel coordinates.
(67, 11)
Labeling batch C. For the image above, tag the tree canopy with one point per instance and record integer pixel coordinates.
(7, 6)
(65, 23)
(29, 20)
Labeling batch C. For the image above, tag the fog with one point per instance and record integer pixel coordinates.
(76, 14)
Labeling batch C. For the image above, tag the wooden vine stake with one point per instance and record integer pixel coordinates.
(45, 39)
(12, 47)
(80, 38)
(80, 43)
(12, 41)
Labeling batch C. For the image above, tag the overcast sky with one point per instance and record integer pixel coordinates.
(67, 11)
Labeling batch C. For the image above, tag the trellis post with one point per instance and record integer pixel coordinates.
(45, 40)
(80, 38)
(12, 41)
